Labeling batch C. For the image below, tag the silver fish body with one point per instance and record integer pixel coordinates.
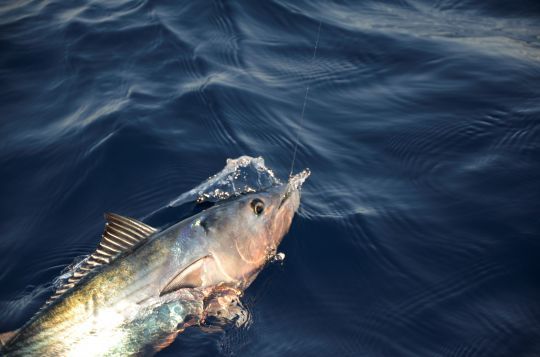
(141, 299)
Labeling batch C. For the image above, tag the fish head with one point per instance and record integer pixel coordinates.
(247, 231)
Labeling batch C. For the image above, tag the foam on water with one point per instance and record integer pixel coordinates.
(239, 176)
(242, 175)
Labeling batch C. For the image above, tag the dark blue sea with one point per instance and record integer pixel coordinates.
(419, 230)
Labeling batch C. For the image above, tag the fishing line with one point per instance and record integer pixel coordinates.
(301, 121)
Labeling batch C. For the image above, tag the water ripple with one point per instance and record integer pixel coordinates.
(417, 234)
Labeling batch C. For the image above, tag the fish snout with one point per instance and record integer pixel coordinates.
(288, 204)
(291, 191)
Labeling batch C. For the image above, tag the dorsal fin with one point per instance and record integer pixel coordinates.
(120, 235)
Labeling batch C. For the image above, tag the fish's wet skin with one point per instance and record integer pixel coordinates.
(143, 286)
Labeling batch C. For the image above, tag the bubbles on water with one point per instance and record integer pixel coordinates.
(296, 181)
(243, 175)
(239, 176)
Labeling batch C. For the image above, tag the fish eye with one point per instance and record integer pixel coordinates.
(258, 206)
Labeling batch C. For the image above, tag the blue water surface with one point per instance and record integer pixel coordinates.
(419, 231)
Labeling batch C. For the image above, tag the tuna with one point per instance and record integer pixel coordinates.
(142, 286)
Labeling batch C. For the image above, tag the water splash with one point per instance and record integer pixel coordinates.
(296, 181)
(239, 176)
(68, 271)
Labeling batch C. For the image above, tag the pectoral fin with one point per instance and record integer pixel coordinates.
(190, 277)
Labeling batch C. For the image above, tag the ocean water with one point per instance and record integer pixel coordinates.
(419, 230)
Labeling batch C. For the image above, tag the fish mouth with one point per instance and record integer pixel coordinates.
(294, 185)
